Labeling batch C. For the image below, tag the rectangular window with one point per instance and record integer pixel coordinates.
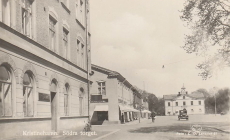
(82, 56)
(191, 102)
(27, 18)
(52, 33)
(168, 103)
(101, 88)
(199, 102)
(81, 12)
(77, 49)
(5, 12)
(65, 43)
(77, 8)
(176, 103)
(184, 103)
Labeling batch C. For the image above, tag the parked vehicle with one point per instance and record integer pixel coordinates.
(183, 114)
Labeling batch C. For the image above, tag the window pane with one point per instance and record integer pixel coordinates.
(30, 102)
(7, 99)
(4, 74)
(66, 104)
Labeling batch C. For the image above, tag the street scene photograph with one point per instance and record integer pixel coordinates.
(114, 69)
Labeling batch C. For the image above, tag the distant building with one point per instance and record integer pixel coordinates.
(193, 103)
(112, 98)
(44, 46)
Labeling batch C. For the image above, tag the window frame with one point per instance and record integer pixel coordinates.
(26, 97)
(65, 43)
(101, 87)
(29, 9)
(3, 84)
(53, 39)
(184, 103)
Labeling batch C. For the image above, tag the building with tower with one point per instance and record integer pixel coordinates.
(193, 103)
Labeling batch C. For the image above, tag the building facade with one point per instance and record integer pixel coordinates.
(193, 103)
(44, 64)
(113, 98)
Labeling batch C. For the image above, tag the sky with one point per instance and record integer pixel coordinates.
(137, 37)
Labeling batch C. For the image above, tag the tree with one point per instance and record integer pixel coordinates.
(153, 102)
(209, 21)
(222, 102)
(203, 91)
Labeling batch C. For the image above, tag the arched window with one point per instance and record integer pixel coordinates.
(81, 95)
(28, 97)
(66, 99)
(5, 91)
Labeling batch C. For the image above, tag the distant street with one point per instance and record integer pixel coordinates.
(168, 127)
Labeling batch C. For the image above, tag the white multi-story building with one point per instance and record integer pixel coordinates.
(193, 103)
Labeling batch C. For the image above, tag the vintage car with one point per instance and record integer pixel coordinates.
(183, 114)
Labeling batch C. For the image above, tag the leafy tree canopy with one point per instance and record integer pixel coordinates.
(209, 21)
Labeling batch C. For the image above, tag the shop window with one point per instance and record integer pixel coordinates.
(27, 17)
(102, 115)
(28, 95)
(5, 92)
(52, 33)
(101, 87)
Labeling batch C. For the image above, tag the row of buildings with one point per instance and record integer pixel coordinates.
(47, 82)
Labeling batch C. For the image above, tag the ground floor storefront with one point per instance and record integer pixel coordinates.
(39, 96)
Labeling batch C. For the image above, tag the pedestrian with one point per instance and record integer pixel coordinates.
(153, 115)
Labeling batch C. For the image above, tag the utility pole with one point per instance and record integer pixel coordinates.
(87, 54)
(215, 103)
(215, 98)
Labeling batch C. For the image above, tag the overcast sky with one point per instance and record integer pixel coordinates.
(137, 37)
